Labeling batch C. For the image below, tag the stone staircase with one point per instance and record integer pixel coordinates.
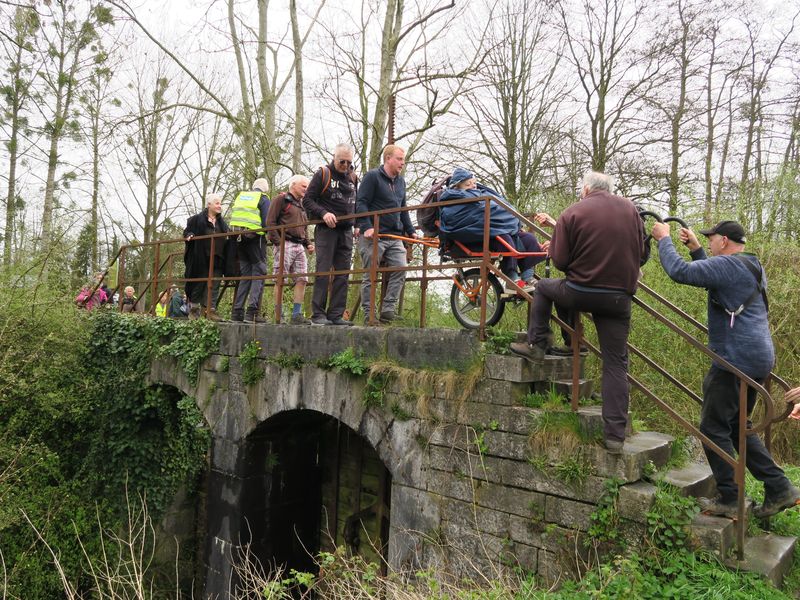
(640, 467)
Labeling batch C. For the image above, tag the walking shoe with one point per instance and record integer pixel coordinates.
(566, 351)
(387, 316)
(613, 446)
(772, 506)
(340, 321)
(533, 352)
(252, 316)
(299, 319)
(715, 506)
(213, 315)
(237, 315)
(320, 321)
(194, 312)
(527, 286)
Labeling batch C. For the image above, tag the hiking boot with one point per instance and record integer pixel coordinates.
(213, 315)
(299, 319)
(566, 351)
(340, 321)
(717, 507)
(320, 321)
(237, 315)
(387, 316)
(772, 506)
(252, 316)
(613, 446)
(194, 312)
(533, 352)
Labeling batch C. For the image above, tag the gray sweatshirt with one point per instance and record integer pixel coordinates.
(748, 344)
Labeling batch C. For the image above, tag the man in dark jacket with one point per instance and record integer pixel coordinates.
(384, 188)
(599, 244)
(286, 209)
(198, 254)
(248, 215)
(738, 331)
(331, 195)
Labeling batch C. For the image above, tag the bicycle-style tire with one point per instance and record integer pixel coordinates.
(468, 312)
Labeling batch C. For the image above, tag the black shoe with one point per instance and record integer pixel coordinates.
(237, 315)
(252, 316)
(387, 316)
(299, 319)
(533, 352)
(614, 446)
(340, 321)
(566, 351)
(717, 507)
(772, 506)
(320, 321)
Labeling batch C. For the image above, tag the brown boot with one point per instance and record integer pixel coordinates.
(194, 312)
(213, 315)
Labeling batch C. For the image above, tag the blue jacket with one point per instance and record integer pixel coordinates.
(748, 344)
(378, 191)
(464, 222)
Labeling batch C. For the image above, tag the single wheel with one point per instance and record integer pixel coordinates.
(467, 310)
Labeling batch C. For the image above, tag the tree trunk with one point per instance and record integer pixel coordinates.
(248, 137)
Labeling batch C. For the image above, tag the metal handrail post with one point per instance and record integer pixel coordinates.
(154, 292)
(484, 270)
(423, 288)
(209, 281)
(576, 337)
(373, 269)
(740, 466)
(279, 280)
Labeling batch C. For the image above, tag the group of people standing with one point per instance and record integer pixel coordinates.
(332, 195)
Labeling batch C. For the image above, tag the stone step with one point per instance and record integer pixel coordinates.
(521, 370)
(591, 420)
(639, 450)
(564, 387)
(769, 555)
(694, 479)
(715, 534)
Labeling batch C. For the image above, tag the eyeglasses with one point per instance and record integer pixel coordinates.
(342, 161)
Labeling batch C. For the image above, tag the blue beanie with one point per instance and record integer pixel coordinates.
(459, 174)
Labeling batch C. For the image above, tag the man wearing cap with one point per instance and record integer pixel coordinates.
(382, 188)
(249, 214)
(738, 331)
(599, 244)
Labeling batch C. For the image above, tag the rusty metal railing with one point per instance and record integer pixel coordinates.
(428, 273)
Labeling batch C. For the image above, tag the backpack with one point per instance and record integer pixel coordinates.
(428, 216)
(326, 178)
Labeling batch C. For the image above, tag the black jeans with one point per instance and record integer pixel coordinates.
(719, 420)
(611, 313)
(334, 250)
(197, 291)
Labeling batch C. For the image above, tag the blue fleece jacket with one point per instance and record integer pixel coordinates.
(378, 191)
(748, 344)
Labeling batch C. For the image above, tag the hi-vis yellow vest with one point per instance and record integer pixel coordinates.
(245, 212)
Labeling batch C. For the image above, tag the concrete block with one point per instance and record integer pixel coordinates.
(692, 480)
(435, 348)
(568, 513)
(770, 555)
(591, 420)
(715, 534)
(503, 393)
(639, 450)
(518, 369)
(635, 499)
(564, 387)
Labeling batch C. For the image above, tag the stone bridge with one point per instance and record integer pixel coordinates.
(442, 457)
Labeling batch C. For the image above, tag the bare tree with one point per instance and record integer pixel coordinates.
(514, 110)
(16, 90)
(67, 36)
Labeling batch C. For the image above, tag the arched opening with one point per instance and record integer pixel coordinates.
(314, 484)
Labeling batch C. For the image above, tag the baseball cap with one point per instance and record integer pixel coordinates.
(729, 229)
